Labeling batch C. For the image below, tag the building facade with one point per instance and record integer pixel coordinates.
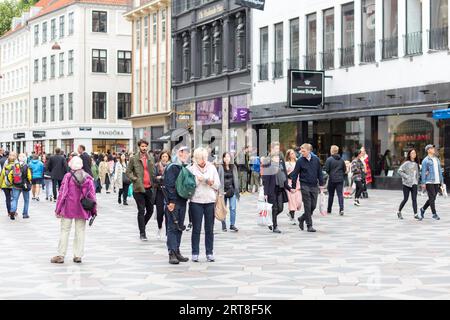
(151, 61)
(14, 85)
(211, 83)
(79, 77)
(386, 68)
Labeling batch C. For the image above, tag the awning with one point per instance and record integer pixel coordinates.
(441, 114)
(173, 134)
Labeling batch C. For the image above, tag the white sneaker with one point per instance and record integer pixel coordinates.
(158, 234)
(210, 258)
(195, 257)
(356, 203)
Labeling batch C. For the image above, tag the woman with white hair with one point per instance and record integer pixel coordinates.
(76, 185)
(202, 202)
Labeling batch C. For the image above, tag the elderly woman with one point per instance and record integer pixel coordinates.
(203, 201)
(77, 184)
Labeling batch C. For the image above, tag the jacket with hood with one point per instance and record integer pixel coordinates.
(336, 168)
(5, 180)
(37, 169)
(68, 204)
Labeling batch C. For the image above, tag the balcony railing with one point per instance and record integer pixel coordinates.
(347, 56)
(263, 71)
(389, 48)
(367, 52)
(277, 68)
(413, 43)
(311, 61)
(438, 38)
(294, 63)
(327, 60)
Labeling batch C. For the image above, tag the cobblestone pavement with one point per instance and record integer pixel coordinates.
(366, 254)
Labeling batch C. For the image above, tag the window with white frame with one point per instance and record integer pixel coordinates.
(390, 29)
(61, 107)
(61, 26)
(155, 27)
(311, 42)
(163, 25)
(36, 37)
(368, 31)
(124, 61)
(70, 105)
(71, 23)
(413, 38)
(99, 21)
(44, 32)
(439, 25)
(52, 108)
(53, 29)
(99, 105)
(146, 31)
(348, 35)
(99, 61)
(44, 68)
(52, 66)
(36, 71)
(294, 46)
(36, 110)
(44, 109)
(278, 52)
(61, 64)
(328, 39)
(70, 63)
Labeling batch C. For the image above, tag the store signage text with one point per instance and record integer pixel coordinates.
(66, 133)
(38, 134)
(210, 11)
(413, 137)
(110, 133)
(20, 135)
(305, 89)
(255, 4)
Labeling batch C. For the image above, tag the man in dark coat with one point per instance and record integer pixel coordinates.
(57, 166)
(86, 159)
(336, 169)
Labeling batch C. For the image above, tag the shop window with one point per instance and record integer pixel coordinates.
(439, 25)
(311, 42)
(368, 31)
(413, 37)
(390, 29)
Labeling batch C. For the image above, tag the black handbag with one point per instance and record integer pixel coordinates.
(86, 203)
(125, 179)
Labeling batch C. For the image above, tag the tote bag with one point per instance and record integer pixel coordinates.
(220, 209)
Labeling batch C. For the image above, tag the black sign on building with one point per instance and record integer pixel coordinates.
(305, 89)
(255, 4)
(38, 134)
(20, 135)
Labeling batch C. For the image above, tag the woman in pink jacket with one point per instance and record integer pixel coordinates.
(69, 209)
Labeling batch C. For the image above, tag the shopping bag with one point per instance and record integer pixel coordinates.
(444, 190)
(130, 190)
(220, 209)
(265, 215)
(323, 204)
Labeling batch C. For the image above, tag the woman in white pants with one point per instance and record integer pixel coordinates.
(77, 184)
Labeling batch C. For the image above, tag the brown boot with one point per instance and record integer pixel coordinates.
(57, 259)
(77, 260)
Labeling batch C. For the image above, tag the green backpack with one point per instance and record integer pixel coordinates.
(185, 183)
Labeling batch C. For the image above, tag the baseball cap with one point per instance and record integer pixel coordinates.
(428, 147)
(183, 148)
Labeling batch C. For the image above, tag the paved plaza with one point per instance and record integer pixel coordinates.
(366, 254)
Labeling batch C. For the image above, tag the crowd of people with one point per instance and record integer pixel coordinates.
(176, 183)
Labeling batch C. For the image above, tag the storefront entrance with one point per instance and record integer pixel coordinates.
(110, 145)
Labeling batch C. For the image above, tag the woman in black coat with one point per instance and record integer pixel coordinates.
(275, 182)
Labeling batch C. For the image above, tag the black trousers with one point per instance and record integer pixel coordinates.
(124, 192)
(432, 190)
(160, 211)
(145, 208)
(309, 197)
(8, 194)
(56, 187)
(277, 205)
(359, 189)
(339, 188)
(406, 192)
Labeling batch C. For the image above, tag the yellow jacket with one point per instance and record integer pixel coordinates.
(3, 184)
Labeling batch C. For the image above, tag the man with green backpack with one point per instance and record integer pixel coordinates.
(179, 186)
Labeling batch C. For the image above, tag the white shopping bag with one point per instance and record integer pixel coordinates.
(265, 214)
(444, 190)
(323, 204)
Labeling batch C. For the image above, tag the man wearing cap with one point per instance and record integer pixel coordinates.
(176, 206)
(432, 180)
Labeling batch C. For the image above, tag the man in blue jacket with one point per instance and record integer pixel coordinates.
(311, 177)
(432, 180)
(176, 206)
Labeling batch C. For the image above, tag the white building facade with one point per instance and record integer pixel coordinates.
(386, 64)
(151, 87)
(14, 85)
(79, 78)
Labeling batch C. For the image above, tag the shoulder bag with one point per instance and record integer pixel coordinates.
(220, 209)
(86, 203)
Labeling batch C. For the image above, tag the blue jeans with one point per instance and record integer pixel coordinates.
(233, 201)
(15, 200)
(173, 234)
(198, 211)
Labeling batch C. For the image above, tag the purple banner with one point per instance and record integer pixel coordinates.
(239, 111)
(209, 111)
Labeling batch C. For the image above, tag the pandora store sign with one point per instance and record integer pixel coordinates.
(111, 133)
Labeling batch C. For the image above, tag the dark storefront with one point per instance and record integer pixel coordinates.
(211, 59)
(378, 128)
